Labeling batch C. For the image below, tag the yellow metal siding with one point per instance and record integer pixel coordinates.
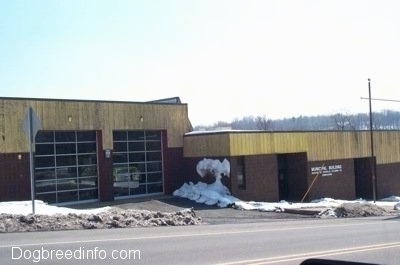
(206, 145)
(387, 147)
(318, 145)
(85, 115)
(264, 143)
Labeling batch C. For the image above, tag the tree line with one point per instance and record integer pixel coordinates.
(384, 120)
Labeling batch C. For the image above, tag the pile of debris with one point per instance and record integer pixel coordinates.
(113, 218)
(353, 210)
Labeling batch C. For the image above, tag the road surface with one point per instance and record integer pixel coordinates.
(279, 242)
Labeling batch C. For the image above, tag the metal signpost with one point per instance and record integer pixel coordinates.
(31, 126)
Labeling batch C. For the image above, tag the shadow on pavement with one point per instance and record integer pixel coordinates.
(186, 203)
(393, 218)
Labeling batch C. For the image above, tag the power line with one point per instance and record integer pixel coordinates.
(382, 99)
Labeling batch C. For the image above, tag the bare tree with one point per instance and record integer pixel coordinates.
(263, 123)
(343, 121)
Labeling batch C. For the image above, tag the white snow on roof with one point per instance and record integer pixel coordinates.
(220, 131)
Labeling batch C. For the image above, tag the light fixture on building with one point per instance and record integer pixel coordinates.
(108, 153)
(141, 118)
(19, 156)
(69, 118)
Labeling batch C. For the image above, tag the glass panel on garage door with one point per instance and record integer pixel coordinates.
(137, 163)
(66, 166)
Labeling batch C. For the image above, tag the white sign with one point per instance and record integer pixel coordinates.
(327, 170)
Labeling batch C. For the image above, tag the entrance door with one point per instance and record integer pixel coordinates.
(283, 177)
(363, 176)
(292, 176)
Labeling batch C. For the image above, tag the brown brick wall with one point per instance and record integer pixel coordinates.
(388, 180)
(14, 177)
(174, 175)
(105, 165)
(339, 185)
(261, 178)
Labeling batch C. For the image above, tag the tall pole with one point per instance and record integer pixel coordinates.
(373, 168)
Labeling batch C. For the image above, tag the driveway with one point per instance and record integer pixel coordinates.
(209, 214)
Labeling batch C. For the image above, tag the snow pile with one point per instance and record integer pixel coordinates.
(359, 210)
(328, 207)
(113, 218)
(282, 205)
(210, 194)
(16, 216)
(214, 167)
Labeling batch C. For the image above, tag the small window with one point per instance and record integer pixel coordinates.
(153, 135)
(153, 146)
(240, 173)
(44, 161)
(87, 147)
(69, 148)
(44, 137)
(89, 136)
(64, 137)
(135, 135)
(45, 149)
(136, 146)
(119, 136)
(120, 146)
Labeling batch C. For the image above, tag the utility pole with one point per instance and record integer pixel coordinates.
(373, 162)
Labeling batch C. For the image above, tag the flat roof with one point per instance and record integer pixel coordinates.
(169, 101)
(212, 132)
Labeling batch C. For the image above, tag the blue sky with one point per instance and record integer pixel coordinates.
(226, 59)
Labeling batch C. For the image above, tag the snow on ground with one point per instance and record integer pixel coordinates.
(320, 203)
(25, 208)
(209, 194)
(218, 194)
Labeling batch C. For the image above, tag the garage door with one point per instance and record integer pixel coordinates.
(137, 163)
(66, 166)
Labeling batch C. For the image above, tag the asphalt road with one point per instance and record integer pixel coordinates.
(279, 242)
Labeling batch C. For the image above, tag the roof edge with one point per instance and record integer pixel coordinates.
(157, 102)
